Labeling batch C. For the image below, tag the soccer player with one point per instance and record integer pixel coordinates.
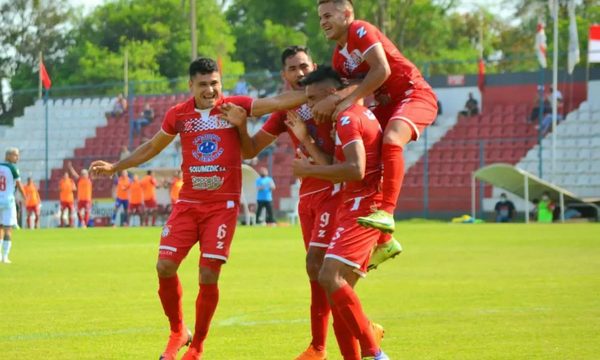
(176, 185)
(32, 203)
(9, 180)
(207, 208)
(317, 205)
(66, 186)
(406, 103)
(136, 196)
(123, 183)
(84, 195)
(358, 153)
(149, 183)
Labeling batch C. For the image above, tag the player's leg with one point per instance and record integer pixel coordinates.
(126, 212)
(86, 213)
(62, 214)
(9, 219)
(1, 236)
(218, 223)
(80, 213)
(37, 217)
(346, 304)
(269, 209)
(387, 248)
(259, 208)
(179, 234)
(405, 124)
(115, 211)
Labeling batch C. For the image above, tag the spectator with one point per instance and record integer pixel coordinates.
(505, 209)
(545, 209)
(535, 112)
(559, 95)
(241, 87)
(32, 204)
(124, 152)
(119, 106)
(264, 195)
(147, 118)
(471, 107)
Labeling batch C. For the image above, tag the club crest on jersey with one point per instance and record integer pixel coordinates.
(207, 148)
(166, 231)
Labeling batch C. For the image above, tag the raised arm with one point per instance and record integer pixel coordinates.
(285, 101)
(74, 173)
(143, 153)
(352, 169)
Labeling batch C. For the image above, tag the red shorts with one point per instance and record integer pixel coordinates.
(84, 204)
(33, 209)
(317, 217)
(150, 204)
(418, 110)
(66, 205)
(210, 224)
(352, 244)
(135, 208)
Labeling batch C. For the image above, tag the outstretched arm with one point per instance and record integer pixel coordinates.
(285, 101)
(143, 153)
(350, 170)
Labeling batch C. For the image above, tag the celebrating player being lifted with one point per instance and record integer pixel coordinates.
(207, 208)
(406, 104)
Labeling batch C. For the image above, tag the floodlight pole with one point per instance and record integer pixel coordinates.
(554, 86)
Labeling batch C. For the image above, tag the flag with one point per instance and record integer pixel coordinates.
(481, 75)
(44, 77)
(540, 45)
(594, 44)
(573, 58)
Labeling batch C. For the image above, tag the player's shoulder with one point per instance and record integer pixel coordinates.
(360, 28)
(184, 106)
(12, 167)
(237, 99)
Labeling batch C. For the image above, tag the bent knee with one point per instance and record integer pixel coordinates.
(166, 268)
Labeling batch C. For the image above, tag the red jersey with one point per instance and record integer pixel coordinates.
(350, 61)
(321, 133)
(358, 123)
(210, 149)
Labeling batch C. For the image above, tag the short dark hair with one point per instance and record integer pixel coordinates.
(203, 66)
(336, 2)
(323, 73)
(149, 172)
(293, 50)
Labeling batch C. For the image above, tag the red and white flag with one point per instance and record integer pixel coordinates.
(540, 45)
(594, 44)
(573, 58)
(44, 77)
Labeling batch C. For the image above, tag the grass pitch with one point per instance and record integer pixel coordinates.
(458, 292)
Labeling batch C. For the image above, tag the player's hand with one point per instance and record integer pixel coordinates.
(297, 125)
(345, 104)
(324, 109)
(102, 168)
(236, 115)
(301, 164)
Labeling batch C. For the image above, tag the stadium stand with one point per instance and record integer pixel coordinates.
(70, 122)
(577, 164)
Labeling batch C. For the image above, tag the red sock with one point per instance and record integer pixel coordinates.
(383, 238)
(348, 344)
(348, 305)
(153, 220)
(86, 217)
(319, 315)
(62, 219)
(393, 175)
(206, 304)
(170, 292)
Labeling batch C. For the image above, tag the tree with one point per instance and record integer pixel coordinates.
(27, 28)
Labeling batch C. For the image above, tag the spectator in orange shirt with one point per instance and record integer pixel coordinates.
(150, 205)
(136, 195)
(176, 185)
(122, 196)
(84, 195)
(32, 203)
(66, 186)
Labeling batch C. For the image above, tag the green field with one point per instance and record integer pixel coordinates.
(458, 292)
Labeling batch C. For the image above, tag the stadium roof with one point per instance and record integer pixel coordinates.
(525, 185)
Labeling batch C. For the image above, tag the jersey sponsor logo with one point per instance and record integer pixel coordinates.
(361, 32)
(353, 61)
(345, 120)
(209, 183)
(212, 122)
(166, 230)
(207, 147)
(206, 169)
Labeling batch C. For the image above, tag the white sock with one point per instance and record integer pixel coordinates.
(6, 244)
(1, 246)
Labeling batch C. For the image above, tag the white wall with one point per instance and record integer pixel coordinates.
(594, 93)
(453, 99)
